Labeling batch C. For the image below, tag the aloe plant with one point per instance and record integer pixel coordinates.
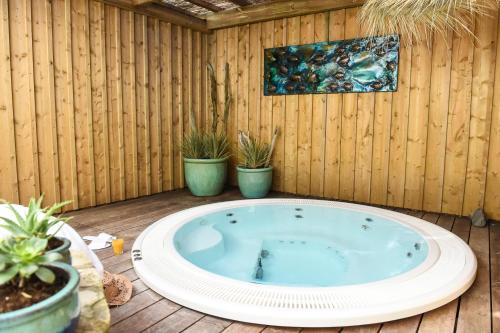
(21, 258)
(36, 222)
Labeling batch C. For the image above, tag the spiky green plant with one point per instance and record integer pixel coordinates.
(416, 19)
(21, 258)
(193, 145)
(255, 154)
(36, 222)
(199, 145)
(216, 146)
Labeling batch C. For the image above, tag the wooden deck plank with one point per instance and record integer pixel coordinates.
(404, 325)
(135, 304)
(149, 311)
(177, 322)
(146, 317)
(362, 329)
(443, 319)
(208, 324)
(244, 328)
(281, 330)
(474, 314)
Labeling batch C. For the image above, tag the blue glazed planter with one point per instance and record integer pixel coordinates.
(58, 313)
(205, 177)
(63, 250)
(255, 183)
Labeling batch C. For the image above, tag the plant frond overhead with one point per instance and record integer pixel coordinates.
(417, 19)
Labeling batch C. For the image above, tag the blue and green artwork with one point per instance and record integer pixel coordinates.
(355, 65)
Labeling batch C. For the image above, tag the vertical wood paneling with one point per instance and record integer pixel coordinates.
(492, 197)
(381, 148)
(291, 116)
(319, 118)
(457, 137)
(364, 145)
(95, 101)
(399, 131)
(409, 148)
(304, 119)
(220, 72)
(266, 102)
(177, 106)
(438, 115)
(154, 93)
(232, 58)
(99, 102)
(334, 117)
(279, 117)
(348, 130)
(115, 103)
(482, 98)
(86, 105)
(187, 78)
(254, 78)
(23, 99)
(243, 57)
(166, 106)
(196, 76)
(129, 102)
(142, 106)
(43, 62)
(63, 80)
(212, 60)
(8, 168)
(82, 102)
(417, 128)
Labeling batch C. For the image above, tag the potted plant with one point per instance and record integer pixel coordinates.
(37, 293)
(255, 173)
(206, 154)
(38, 222)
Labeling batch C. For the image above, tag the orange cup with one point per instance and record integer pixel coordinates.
(117, 245)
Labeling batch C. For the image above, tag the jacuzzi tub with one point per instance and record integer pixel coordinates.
(307, 263)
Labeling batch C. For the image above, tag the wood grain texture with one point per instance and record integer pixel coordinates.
(149, 311)
(304, 119)
(8, 165)
(410, 148)
(99, 103)
(86, 103)
(483, 76)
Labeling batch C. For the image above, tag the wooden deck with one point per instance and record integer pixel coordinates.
(477, 311)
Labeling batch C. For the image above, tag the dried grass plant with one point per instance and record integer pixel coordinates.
(255, 154)
(416, 20)
(215, 144)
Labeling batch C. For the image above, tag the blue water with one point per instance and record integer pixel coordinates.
(300, 245)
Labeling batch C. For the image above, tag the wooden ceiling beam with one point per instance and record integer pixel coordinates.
(206, 5)
(162, 12)
(145, 2)
(176, 17)
(275, 10)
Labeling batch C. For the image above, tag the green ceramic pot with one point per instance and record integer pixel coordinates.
(205, 177)
(58, 313)
(63, 250)
(255, 183)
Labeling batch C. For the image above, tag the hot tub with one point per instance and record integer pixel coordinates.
(307, 263)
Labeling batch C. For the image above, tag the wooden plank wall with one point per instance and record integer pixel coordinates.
(433, 145)
(93, 102)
